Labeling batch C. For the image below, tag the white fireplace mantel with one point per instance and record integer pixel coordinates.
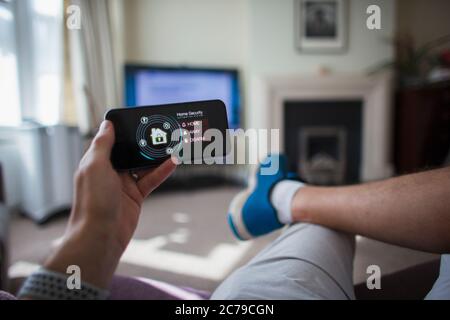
(270, 93)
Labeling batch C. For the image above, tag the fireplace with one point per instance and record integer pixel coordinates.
(336, 129)
(323, 140)
(321, 157)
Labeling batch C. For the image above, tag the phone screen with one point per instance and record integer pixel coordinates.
(147, 136)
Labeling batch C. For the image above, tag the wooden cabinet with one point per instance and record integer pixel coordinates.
(422, 127)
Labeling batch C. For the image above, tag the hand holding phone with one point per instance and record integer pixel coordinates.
(147, 136)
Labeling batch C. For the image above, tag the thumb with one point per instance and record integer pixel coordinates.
(104, 140)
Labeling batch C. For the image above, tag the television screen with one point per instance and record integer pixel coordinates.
(152, 85)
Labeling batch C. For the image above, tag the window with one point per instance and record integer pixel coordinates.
(31, 52)
(9, 92)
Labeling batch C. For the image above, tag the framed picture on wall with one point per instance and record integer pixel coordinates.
(321, 25)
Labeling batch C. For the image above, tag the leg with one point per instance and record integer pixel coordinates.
(305, 262)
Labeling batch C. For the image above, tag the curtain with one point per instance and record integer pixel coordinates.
(94, 63)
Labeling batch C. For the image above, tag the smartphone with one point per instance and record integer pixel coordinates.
(147, 136)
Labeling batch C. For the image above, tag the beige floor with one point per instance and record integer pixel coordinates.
(183, 239)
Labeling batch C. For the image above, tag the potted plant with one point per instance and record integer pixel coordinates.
(441, 67)
(413, 63)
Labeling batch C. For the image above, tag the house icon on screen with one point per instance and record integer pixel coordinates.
(158, 136)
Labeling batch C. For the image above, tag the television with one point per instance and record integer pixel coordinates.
(153, 85)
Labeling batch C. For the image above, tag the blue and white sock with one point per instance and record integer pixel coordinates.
(281, 198)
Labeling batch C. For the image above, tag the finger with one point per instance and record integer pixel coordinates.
(127, 180)
(104, 140)
(142, 173)
(129, 186)
(153, 179)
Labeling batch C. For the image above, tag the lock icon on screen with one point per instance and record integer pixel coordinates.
(159, 136)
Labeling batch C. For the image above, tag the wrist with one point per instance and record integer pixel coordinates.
(90, 247)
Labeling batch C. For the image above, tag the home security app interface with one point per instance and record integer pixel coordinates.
(147, 136)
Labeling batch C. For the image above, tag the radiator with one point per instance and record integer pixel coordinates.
(47, 157)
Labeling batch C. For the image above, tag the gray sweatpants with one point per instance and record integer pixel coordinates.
(306, 262)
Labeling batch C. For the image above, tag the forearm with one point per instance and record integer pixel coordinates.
(412, 211)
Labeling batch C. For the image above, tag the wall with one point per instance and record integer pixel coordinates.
(255, 35)
(433, 16)
(201, 32)
(272, 39)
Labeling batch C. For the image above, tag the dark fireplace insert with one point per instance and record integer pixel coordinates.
(322, 140)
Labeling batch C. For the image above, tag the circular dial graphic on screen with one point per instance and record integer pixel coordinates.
(154, 136)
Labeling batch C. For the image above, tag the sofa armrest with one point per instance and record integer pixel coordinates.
(412, 283)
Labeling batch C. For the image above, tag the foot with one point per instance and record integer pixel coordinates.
(251, 213)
